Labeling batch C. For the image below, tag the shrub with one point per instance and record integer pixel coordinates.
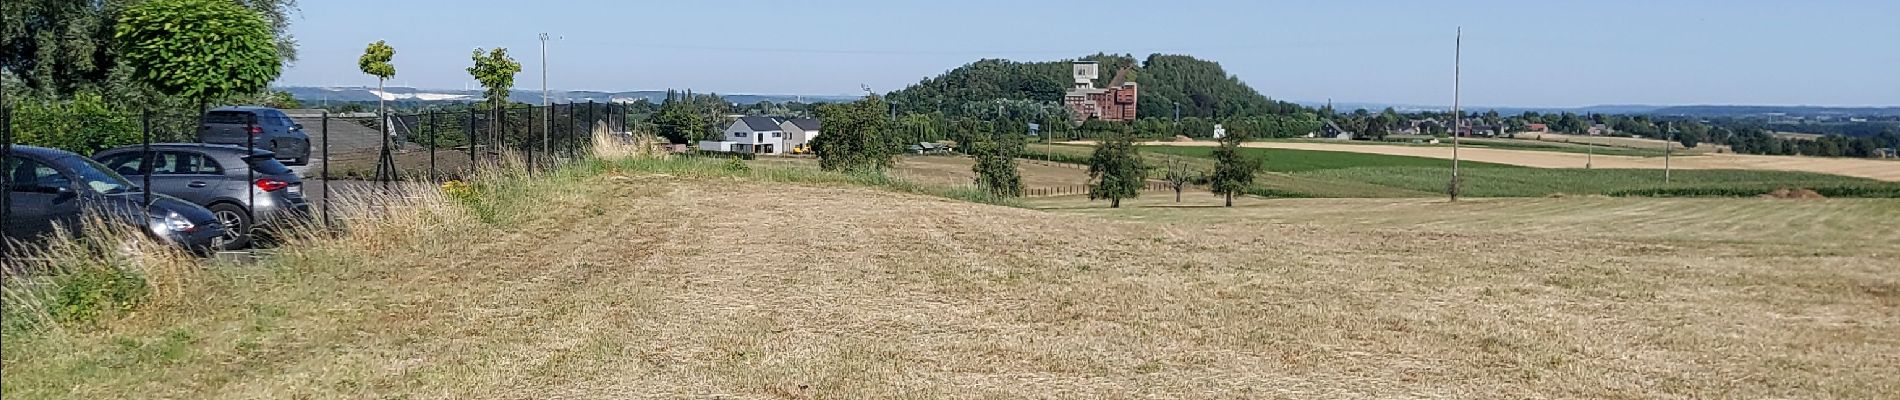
(82, 125)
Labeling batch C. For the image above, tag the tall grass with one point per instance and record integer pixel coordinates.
(80, 280)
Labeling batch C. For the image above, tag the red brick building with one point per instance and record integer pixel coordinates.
(1115, 103)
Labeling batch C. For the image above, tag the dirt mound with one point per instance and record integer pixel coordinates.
(1785, 193)
(1181, 138)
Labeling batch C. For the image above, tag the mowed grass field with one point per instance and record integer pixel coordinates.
(684, 278)
(1314, 173)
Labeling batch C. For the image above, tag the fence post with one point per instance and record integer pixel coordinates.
(573, 118)
(530, 139)
(588, 134)
(433, 130)
(325, 127)
(145, 156)
(6, 167)
(471, 141)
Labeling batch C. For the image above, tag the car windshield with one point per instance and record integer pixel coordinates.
(266, 164)
(102, 180)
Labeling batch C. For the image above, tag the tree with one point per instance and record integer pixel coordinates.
(995, 153)
(375, 62)
(857, 137)
(61, 48)
(1233, 171)
(1179, 174)
(198, 49)
(1116, 170)
(496, 72)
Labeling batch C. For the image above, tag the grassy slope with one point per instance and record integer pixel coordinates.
(686, 280)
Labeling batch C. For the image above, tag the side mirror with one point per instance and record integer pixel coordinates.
(297, 126)
(63, 193)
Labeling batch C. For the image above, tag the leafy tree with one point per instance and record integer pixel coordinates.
(375, 62)
(1233, 171)
(62, 48)
(995, 167)
(496, 72)
(1116, 170)
(198, 49)
(678, 122)
(857, 137)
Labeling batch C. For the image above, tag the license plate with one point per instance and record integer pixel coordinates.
(296, 189)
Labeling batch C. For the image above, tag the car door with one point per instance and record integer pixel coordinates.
(192, 176)
(37, 204)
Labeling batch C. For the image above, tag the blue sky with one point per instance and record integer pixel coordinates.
(1517, 53)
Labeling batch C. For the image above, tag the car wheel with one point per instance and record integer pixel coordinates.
(237, 225)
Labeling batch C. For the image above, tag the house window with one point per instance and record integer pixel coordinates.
(738, 134)
(777, 134)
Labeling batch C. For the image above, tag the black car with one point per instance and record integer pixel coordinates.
(51, 189)
(260, 127)
(247, 189)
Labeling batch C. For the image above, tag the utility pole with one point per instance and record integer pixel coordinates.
(1457, 115)
(1668, 145)
(547, 105)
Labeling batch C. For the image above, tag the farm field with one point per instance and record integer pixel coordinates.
(627, 279)
(1336, 174)
(1885, 170)
(1617, 141)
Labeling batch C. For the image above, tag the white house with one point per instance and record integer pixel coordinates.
(799, 132)
(759, 135)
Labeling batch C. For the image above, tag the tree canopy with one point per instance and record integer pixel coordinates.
(59, 48)
(1116, 170)
(1233, 171)
(375, 60)
(857, 136)
(198, 49)
(496, 72)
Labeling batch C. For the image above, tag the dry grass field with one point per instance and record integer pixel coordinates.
(955, 171)
(1886, 170)
(631, 281)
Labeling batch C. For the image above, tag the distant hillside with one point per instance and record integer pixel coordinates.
(1799, 111)
(1202, 88)
(407, 94)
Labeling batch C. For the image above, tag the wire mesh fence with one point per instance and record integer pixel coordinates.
(338, 148)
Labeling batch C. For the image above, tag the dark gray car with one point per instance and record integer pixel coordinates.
(261, 127)
(53, 190)
(247, 189)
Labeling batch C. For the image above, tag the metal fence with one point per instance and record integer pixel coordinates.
(365, 148)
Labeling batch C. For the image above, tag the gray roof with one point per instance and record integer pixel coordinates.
(810, 124)
(761, 124)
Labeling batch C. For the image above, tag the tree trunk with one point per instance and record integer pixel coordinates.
(1230, 199)
(1115, 202)
(1177, 194)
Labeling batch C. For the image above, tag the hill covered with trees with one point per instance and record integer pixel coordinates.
(1201, 87)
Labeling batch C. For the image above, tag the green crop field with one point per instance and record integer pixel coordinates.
(1310, 173)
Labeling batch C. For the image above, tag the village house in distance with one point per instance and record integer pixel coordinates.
(1115, 103)
(766, 135)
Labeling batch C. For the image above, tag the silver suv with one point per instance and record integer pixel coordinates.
(247, 189)
(261, 127)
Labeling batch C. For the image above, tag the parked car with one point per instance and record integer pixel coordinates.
(54, 189)
(247, 189)
(261, 127)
